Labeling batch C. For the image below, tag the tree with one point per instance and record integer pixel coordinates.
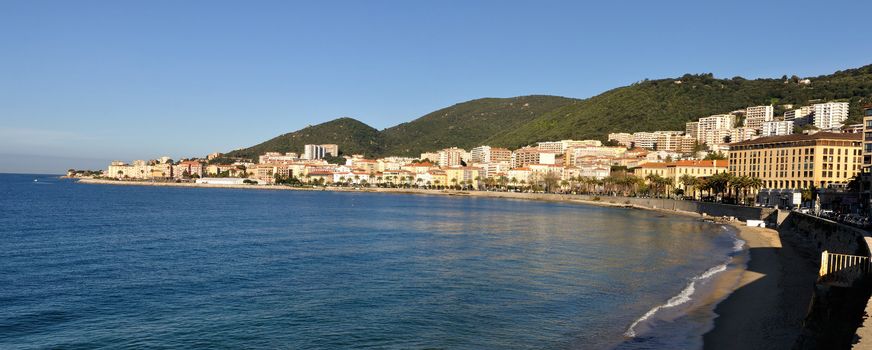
(689, 182)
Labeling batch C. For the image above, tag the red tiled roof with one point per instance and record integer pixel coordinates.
(801, 137)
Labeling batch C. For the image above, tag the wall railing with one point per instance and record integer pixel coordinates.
(843, 269)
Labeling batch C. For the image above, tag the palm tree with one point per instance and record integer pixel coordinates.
(688, 182)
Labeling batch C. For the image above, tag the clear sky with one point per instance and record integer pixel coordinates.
(85, 82)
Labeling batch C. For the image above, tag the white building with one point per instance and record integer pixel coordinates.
(562, 145)
(488, 154)
(830, 115)
(452, 156)
(622, 138)
(713, 130)
(800, 116)
(225, 181)
(757, 115)
(778, 128)
(742, 134)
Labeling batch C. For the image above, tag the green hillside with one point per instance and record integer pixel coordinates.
(667, 104)
(352, 136)
(664, 104)
(467, 124)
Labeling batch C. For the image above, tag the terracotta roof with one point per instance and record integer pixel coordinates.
(702, 163)
(653, 165)
(801, 137)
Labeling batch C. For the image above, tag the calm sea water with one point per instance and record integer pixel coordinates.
(88, 266)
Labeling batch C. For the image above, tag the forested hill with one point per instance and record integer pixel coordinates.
(663, 104)
(667, 104)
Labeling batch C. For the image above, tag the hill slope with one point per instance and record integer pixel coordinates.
(666, 105)
(467, 124)
(351, 135)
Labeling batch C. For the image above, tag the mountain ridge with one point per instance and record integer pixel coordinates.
(647, 105)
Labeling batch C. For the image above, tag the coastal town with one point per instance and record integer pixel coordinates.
(748, 156)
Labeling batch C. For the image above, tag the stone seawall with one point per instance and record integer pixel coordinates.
(827, 235)
(712, 209)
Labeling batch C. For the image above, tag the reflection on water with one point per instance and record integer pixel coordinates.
(140, 267)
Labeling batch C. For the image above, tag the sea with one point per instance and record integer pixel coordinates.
(101, 266)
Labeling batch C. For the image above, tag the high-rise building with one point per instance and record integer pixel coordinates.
(714, 130)
(488, 154)
(562, 145)
(778, 128)
(742, 134)
(692, 129)
(622, 138)
(830, 115)
(531, 155)
(757, 115)
(800, 116)
(867, 139)
(451, 156)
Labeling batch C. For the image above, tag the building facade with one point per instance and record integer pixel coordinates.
(830, 115)
(757, 115)
(798, 161)
(777, 128)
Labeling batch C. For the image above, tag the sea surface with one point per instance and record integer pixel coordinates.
(101, 266)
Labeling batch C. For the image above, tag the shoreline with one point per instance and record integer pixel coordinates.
(747, 301)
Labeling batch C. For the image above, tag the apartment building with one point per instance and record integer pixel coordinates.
(798, 161)
(452, 157)
(531, 155)
(714, 130)
(777, 128)
(867, 139)
(562, 145)
(622, 138)
(757, 115)
(488, 154)
(277, 157)
(830, 115)
(692, 129)
(800, 116)
(742, 134)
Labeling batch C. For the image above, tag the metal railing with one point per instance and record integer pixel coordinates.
(843, 269)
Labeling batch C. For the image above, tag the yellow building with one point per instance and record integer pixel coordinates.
(798, 161)
(456, 174)
(676, 170)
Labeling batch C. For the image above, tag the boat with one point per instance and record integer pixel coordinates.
(35, 180)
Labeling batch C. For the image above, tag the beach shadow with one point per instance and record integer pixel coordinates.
(768, 309)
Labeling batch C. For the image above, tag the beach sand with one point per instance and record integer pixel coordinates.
(771, 300)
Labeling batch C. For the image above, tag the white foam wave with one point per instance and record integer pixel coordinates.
(738, 245)
(681, 298)
(685, 294)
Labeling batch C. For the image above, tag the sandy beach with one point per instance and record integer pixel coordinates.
(767, 308)
(765, 304)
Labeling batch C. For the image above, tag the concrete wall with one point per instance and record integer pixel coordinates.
(712, 209)
(824, 234)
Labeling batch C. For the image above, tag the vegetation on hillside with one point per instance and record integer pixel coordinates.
(649, 105)
(467, 124)
(667, 104)
(352, 136)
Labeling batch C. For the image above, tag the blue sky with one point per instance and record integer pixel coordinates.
(84, 82)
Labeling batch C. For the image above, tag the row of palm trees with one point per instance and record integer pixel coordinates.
(720, 186)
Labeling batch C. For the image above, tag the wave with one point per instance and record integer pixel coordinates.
(686, 293)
